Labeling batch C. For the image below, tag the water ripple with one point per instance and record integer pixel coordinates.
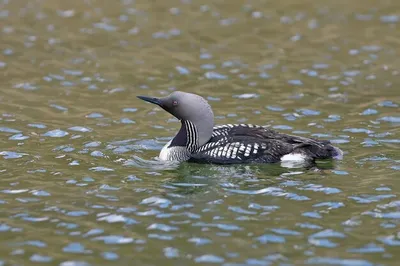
(56, 133)
(338, 261)
(80, 180)
(209, 258)
(270, 238)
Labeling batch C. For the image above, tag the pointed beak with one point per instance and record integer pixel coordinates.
(150, 100)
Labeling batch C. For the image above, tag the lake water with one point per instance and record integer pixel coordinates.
(79, 181)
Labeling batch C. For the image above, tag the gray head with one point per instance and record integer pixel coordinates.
(188, 107)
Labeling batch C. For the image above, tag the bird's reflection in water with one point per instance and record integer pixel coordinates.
(192, 178)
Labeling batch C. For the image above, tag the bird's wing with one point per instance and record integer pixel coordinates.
(241, 145)
(310, 147)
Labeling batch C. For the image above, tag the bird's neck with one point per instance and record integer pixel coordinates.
(191, 136)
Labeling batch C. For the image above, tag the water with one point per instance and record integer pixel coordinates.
(79, 182)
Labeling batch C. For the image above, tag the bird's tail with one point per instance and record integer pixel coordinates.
(325, 151)
(337, 153)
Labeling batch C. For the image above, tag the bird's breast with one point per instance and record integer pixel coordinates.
(165, 152)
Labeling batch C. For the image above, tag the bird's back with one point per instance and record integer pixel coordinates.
(245, 143)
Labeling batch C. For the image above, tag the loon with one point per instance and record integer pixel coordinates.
(199, 140)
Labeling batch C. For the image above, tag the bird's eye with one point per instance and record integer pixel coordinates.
(174, 103)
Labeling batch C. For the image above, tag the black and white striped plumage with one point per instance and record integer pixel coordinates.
(244, 143)
(198, 140)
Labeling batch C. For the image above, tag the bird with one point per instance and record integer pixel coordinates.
(200, 141)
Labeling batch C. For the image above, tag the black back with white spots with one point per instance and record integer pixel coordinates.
(243, 143)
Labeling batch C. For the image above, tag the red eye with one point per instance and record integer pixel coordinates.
(174, 103)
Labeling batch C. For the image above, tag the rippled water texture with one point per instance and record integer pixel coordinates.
(79, 183)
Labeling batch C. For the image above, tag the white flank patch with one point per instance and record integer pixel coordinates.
(164, 152)
(293, 160)
(297, 157)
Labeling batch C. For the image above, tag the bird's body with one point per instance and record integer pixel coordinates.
(198, 140)
(247, 143)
